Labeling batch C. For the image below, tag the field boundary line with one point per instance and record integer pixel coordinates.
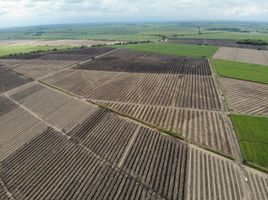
(33, 114)
(160, 130)
(8, 193)
(237, 150)
(129, 146)
(139, 104)
(78, 63)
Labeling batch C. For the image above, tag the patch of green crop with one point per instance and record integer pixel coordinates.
(252, 134)
(243, 71)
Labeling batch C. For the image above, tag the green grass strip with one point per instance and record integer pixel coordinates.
(243, 71)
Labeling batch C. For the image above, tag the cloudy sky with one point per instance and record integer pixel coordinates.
(29, 12)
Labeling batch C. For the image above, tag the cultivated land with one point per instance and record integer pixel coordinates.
(175, 49)
(7, 50)
(242, 55)
(214, 42)
(177, 94)
(84, 151)
(62, 42)
(252, 135)
(243, 71)
(246, 97)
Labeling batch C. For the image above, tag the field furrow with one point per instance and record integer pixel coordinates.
(207, 128)
(54, 107)
(246, 97)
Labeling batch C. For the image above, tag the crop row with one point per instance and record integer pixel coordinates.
(152, 166)
(6, 105)
(66, 171)
(212, 177)
(54, 107)
(246, 97)
(105, 133)
(143, 88)
(159, 162)
(10, 80)
(16, 128)
(130, 61)
(210, 129)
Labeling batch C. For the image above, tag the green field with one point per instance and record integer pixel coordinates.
(252, 133)
(7, 50)
(140, 31)
(174, 49)
(243, 71)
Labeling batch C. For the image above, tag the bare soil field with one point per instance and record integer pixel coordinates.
(211, 177)
(42, 64)
(208, 128)
(64, 42)
(16, 127)
(58, 109)
(105, 129)
(215, 42)
(242, 55)
(246, 97)
(10, 79)
(153, 166)
(124, 60)
(142, 88)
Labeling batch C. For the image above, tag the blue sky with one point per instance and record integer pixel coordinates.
(29, 12)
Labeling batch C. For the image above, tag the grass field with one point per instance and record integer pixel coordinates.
(6, 50)
(174, 49)
(253, 138)
(243, 71)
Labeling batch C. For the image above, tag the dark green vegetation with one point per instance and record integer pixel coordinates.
(243, 71)
(174, 49)
(142, 31)
(8, 50)
(253, 138)
(252, 41)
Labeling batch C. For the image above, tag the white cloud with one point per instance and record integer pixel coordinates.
(247, 11)
(56, 11)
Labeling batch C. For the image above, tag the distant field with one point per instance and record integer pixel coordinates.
(229, 35)
(243, 71)
(174, 49)
(253, 138)
(6, 50)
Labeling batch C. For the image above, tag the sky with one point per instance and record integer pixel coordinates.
(33, 12)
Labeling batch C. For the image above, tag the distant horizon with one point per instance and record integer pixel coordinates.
(137, 22)
(14, 13)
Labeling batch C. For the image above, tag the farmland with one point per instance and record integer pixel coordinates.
(252, 135)
(243, 71)
(147, 86)
(253, 95)
(175, 49)
(242, 55)
(7, 50)
(94, 124)
(214, 42)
